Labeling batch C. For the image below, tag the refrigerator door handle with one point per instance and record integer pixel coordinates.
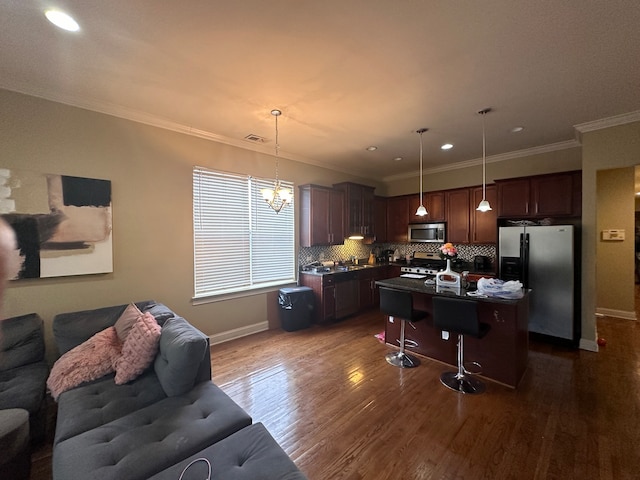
(524, 256)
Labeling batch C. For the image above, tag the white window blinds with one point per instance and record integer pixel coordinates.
(239, 242)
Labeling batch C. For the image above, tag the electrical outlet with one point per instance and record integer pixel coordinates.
(445, 335)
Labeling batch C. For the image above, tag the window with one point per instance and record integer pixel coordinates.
(239, 242)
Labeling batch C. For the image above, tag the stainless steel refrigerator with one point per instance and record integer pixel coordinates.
(542, 258)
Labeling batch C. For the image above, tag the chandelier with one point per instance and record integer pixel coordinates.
(277, 197)
(484, 205)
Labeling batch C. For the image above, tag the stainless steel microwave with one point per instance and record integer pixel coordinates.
(426, 233)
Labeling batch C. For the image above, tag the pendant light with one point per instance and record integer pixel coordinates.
(421, 211)
(484, 206)
(277, 197)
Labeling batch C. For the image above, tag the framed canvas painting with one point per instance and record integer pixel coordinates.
(63, 223)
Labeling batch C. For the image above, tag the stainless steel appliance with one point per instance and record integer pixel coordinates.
(426, 233)
(542, 258)
(423, 265)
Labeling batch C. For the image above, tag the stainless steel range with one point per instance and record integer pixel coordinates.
(423, 265)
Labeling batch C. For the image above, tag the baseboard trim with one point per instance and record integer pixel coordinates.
(610, 312)
(238, 333)
(589, 345)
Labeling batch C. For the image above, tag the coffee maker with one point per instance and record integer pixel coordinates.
(385, 256)
(481, 263)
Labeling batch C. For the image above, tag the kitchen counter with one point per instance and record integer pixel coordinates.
(503, 352)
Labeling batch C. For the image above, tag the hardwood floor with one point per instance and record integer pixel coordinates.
(340, 411)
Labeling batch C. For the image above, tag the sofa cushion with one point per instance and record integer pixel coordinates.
(21, 341)
(249, 454)
(147, 441)
(182, 349)
(126, 321)
(102, 401)
(88, 361)
(71, 329)
(24, 387)
(139, 349)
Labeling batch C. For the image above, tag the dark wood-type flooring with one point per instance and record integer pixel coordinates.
(340, 411)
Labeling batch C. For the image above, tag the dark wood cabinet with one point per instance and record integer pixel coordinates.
(359, 208)
(369, 291)
(434, 202)
(550, 195)
(324, 292)
(321, 216)
(397, 219)
(458, 216)
(380, 219)
(484, 228)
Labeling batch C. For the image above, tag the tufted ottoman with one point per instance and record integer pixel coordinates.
(249, 454)
(15, 460)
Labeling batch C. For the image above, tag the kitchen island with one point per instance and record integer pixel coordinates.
(503, 352)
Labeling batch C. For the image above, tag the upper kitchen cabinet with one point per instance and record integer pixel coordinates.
(433, 202)
(551, 195)
(359, 208)
(380, 218)
(321, 216)
(458, 216)
(484, 227)
(397, 219)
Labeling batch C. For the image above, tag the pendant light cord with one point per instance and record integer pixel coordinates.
(277, 113)
(484, 158)
(421, 132)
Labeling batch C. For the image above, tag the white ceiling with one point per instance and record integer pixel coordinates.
(346, 73)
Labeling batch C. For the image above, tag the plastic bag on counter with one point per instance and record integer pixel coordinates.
(494, 287)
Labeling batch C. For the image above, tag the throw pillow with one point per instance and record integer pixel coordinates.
(139, 349)
(88, 361)
(182, 349)
(126, 320)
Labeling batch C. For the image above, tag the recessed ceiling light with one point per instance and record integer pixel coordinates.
(446, 146)
(516, 129)
(62, 20)
(372, 148)
(397, 159)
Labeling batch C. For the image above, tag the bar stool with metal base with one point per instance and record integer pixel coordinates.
(459, 316)
(399, 304)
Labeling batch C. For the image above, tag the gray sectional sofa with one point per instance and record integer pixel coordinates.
(24, 370)
(155, 423)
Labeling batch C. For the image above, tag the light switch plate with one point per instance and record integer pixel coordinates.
(445, 335)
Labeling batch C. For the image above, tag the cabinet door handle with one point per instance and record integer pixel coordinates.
(526, 207)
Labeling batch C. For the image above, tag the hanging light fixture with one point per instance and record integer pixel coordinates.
(421, 211)
(484, 206)
(277, 197)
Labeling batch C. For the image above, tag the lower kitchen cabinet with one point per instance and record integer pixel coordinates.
(340, 294)
(323, 287)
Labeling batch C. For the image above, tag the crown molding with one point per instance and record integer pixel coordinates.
(154, 121)
(501, 157)
(614, 121)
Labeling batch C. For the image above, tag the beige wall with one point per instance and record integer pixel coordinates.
(615, 147)
(615, 259)
(150, 170)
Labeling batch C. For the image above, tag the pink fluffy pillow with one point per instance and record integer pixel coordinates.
(139, 349)
(89, 360)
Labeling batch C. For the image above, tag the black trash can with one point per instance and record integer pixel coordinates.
(296, 307)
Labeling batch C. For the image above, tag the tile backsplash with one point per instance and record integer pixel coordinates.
(359, 250)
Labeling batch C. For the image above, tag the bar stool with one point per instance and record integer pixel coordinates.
(459, 316)
(399, 304)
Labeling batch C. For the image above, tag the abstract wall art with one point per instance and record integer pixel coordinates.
(62, 223)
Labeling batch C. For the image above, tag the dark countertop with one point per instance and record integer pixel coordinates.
(460, 267)
(418, 285)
